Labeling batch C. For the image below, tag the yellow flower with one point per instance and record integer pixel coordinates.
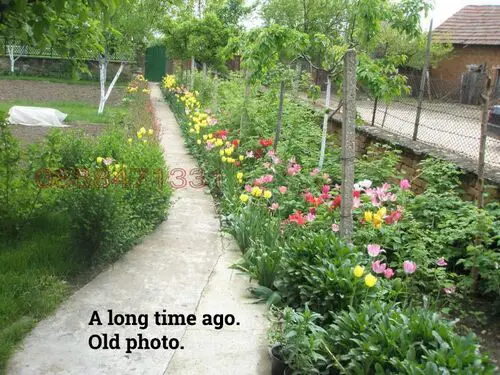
(256, 191)
(370, 280)
(240, 181)
(139, 135)
(244, 198)
(221, 152)
(129, 140)
(205, 137)
(99, 160)
(241, 158)
(268, 194)
(142, 130)
(382, 212)
(223, 158)
(145, 141)
(228, 151)
(150, 131)
(377, 220)
(230, 160)
(239, 175)
(198, 141)
(219, 142)
(117, 167)
(191, 130)
(359, 271)
(368, 216)
(210, 136)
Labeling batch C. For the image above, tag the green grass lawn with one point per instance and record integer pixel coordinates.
(34, 271)
(77, 112)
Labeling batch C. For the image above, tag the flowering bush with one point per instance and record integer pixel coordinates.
(285, 213)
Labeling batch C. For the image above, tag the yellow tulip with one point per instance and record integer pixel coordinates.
(256, 191)
(368, 216)
(370, 280)
(221, 152)
(129, 140)
(239, 175)
(241, 158)
(150, 131)
(268, 194)
(198, 141)
(244, 198)
(142, 130)
(359, 271)
(223, 158)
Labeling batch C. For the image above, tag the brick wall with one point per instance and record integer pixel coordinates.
(452, 67)
(412, 153)
(60, 68)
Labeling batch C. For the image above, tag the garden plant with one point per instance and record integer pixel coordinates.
(381, 304)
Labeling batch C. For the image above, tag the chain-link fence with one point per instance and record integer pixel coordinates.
(49, 52)
(444, 121)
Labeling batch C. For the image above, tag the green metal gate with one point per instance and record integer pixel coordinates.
(155, 63)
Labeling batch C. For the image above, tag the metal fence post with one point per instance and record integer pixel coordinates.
(485, 97)
(348, 144)
(422, 82)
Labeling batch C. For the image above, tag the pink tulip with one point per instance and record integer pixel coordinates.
(388, 273)
(409, 267)
(248, 188)
(378, 267)
(268, 178)
(335, 228)
(356, 202)
(441, 262)
(315, 172)
(310, 217)
(404, 184)
(275, 206)
(374, 250)
(282, 189)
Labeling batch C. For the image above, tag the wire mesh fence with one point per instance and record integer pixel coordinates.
(445, 122)
(49, 52)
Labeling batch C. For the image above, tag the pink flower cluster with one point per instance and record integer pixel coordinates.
(263, 180)
(378, 267)
(380, 195)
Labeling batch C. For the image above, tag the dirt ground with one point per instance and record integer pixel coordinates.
(48, 91)
(51, 91)
(32, 134)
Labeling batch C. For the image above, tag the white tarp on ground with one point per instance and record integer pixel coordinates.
(36, 116)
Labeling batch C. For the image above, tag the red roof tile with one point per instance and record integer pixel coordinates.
(473, 24)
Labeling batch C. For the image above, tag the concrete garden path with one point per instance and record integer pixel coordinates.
(183, 268)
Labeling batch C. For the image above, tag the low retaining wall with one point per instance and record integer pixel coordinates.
(413, 152)
(62, 68)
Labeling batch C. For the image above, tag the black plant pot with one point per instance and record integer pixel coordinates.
(277, 362)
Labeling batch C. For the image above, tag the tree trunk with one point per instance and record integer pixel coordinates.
(325, 123)
(103, 67)
(244, 114)
(280, 115)
(193, 68)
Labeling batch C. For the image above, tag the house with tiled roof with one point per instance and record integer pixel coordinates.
(474, 32)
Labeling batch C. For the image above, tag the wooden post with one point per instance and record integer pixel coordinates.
(348, 144)
(485, 97)
(422, 82)
(325, 122)
(375, 105)
(280, 115)
(385, 114)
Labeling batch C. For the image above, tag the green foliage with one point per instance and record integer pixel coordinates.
(316, 271)
(383, 338)
(302, 341)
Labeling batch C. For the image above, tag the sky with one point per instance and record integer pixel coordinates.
(443, 9)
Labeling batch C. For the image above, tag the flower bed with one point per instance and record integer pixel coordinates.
(354, 308)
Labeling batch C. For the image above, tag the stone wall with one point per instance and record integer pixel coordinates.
(61, 68)
(412, 153)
